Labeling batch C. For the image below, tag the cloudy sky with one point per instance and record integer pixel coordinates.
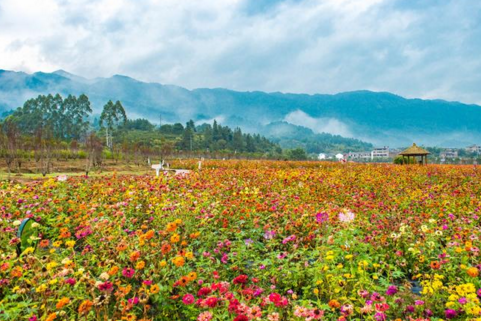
(415, 48)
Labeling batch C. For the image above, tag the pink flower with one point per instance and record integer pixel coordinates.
(188, 299)
(128, 272)
(205, 316)
(106, 286)
(71, 281)
(346, 216)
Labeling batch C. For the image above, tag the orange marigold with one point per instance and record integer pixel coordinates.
(85, 307)
(62, 302)
(51, 317)
(334, 304)
(166, 248)
(473, 272)
(178, 261)
(154, 289)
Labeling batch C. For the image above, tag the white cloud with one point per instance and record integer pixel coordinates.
(416, 49)
(319, 125)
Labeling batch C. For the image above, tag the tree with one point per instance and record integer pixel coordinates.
(238, 140)
(297, 154)
(10, 136)
(113, 116)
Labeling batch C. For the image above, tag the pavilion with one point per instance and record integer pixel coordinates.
(414, 151)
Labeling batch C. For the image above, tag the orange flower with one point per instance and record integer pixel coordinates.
(192, 276)
(62, 302)
(175, 238)
(334, 304)
(51, 317)
(134, 256)
(473, 272)
(178, 261)
(166, 248)
(16, 272)
(171, 227)
(150, 234)
(435, 265)
(44, 243)
(140, 265)
(154, 289)
(113, 270)
(183, 281)
(85, 307)
(121, 247)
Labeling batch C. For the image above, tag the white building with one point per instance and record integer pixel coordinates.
(339, 156)
(380, 152)
(474, 149)
(449, 153)
(359, 155)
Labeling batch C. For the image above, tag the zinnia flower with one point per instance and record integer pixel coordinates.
(188, 299)
(128, 272)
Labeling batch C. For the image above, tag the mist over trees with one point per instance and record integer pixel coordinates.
(52, 127)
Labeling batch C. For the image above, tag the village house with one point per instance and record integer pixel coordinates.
(380, 152)
(476, 149)
(359, 155)
(449, 153)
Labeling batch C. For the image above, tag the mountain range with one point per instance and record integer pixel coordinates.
(378, 118)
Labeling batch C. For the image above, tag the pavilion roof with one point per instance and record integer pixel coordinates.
(414, 150)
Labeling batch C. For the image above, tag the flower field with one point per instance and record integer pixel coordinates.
(246, 241)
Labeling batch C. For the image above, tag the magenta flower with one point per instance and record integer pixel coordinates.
(450, 314)
(128, 272)
(188, 299)
(71, 281)
(391, 290)
(106, 286)
(322, 217)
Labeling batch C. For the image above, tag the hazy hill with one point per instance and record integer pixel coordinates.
(379, 118)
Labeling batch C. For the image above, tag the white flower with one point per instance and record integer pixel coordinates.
(17, 223)
(346, 216)
(104, 276)
(62, 178)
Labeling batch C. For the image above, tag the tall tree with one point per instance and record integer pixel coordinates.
(113, 116)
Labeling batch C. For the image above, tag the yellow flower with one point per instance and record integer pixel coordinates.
(163, 264)
(51, 265)
(189, 255)
(175, 238)
(140, 265)
(53, 282)
(70, 244)
(41, 288)
(349, 256)
(28, 250)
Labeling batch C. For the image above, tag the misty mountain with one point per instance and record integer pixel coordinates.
(377, 117)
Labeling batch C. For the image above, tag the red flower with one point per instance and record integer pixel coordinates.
(241, 279)
(204, 291)
(188, 299)
(241, 318)
(211, 302)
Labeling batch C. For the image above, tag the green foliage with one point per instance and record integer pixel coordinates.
(400, 160)
(297, 154)
(63, 119)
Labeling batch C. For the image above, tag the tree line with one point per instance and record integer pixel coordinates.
(52, 127)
